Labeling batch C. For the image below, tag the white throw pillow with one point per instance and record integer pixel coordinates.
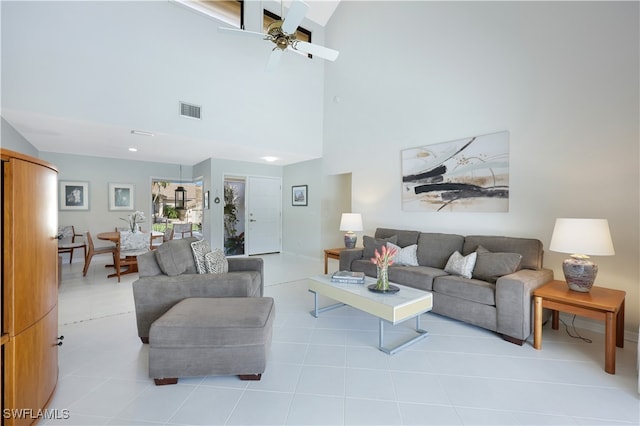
(405, 256)
(216, 262)
(461, 265)
(200, 249)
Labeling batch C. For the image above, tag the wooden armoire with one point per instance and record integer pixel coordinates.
(29, 287)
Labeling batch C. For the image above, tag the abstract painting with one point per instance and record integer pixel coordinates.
(466, 175)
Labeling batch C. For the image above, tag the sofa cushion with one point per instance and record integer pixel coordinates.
(461, 265)
(491, 266)
(216, 262)
(530, 249)
(467, 289)
(372, 244)
(420, 277)
(175, 257)
(435, 249)
(200, 249)
(404, 238)
(405, 255)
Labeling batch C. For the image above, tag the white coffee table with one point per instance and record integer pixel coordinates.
(391, 308)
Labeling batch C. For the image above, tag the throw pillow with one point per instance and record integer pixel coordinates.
(371, 244)
(461, 265)
(216, 262)
(200, 249)
(168, 262)
(491, 266)
(407, 256)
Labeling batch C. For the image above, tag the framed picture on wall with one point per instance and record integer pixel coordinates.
(299, 195)
(74, 195)
(121, 196)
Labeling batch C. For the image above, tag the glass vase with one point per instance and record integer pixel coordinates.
(383, 278)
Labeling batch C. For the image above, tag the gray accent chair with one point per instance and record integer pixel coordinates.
(168, 275)
(502, 304)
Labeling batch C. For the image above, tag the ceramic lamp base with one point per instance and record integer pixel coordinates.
(580, 273)
(350, 239)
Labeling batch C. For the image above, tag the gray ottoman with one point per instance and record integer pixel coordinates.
(211, 336)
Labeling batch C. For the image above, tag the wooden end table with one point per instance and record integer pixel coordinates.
(600, 303)
(333, 253)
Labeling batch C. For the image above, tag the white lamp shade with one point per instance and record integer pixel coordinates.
(582, 236)
(351, 222)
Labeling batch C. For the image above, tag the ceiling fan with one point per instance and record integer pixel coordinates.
(282, 33)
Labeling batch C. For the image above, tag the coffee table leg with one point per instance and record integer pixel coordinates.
(421, 335)
(317, 311)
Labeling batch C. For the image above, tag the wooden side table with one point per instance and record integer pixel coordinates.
(600, 303)
(333, 253)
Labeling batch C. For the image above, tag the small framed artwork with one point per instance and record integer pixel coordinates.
(206, 200)
(74, 195)
(121, 196)
(299, 195)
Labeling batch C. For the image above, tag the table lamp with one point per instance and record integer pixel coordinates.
(582, 237)
(350, 222)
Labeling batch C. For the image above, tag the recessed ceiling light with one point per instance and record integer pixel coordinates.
(270, 159)
(133, 149)
(141, 133)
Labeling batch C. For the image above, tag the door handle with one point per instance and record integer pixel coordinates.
(252, 220)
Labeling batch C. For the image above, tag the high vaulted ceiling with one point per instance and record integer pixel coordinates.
(79, 77)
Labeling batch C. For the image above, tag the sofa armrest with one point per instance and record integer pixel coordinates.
(347, 256)
(514, 301)
(153, 296)
(238, 264)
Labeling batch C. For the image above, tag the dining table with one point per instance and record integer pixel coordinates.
(114, 236)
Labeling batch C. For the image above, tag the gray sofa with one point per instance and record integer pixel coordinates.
(500, 303)
(168, 275)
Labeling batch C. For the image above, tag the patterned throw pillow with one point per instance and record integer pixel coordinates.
(200, 249)
(405, 256)
(216, 262)
(461, 265)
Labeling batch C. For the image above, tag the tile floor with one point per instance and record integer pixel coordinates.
(327, 371)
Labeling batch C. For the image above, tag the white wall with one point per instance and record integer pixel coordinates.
(301, 233)
(11, 139)
(561, 77)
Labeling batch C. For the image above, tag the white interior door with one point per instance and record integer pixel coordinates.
(264, 218)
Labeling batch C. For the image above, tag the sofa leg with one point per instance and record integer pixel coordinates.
(250, 376)
(145, 340)
(513, 340)
(166, 381)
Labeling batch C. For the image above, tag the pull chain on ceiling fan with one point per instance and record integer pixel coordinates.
(282, 33)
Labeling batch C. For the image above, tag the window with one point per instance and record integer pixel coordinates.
(302, 34)
(163, 203)
(229, 11)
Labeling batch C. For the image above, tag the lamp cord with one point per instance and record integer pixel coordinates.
(575, 334)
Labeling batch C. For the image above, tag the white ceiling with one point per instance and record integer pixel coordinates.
(78, 77)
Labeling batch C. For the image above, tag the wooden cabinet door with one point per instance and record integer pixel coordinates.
(32, 369)
(30, 244)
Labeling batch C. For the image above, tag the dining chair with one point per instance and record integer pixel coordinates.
(132, 244)
(158, 239)
(110, 249)
(69, 240)
(183, 230)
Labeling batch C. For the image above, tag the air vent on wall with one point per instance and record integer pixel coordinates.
(189, 111)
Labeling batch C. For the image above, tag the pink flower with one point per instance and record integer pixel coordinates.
(384, 257)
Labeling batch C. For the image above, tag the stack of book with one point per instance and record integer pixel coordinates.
(348, 277)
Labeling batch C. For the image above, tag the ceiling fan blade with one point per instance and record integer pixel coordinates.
(274, 59)
(243, 32)
(294, 18)
(316, 50)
